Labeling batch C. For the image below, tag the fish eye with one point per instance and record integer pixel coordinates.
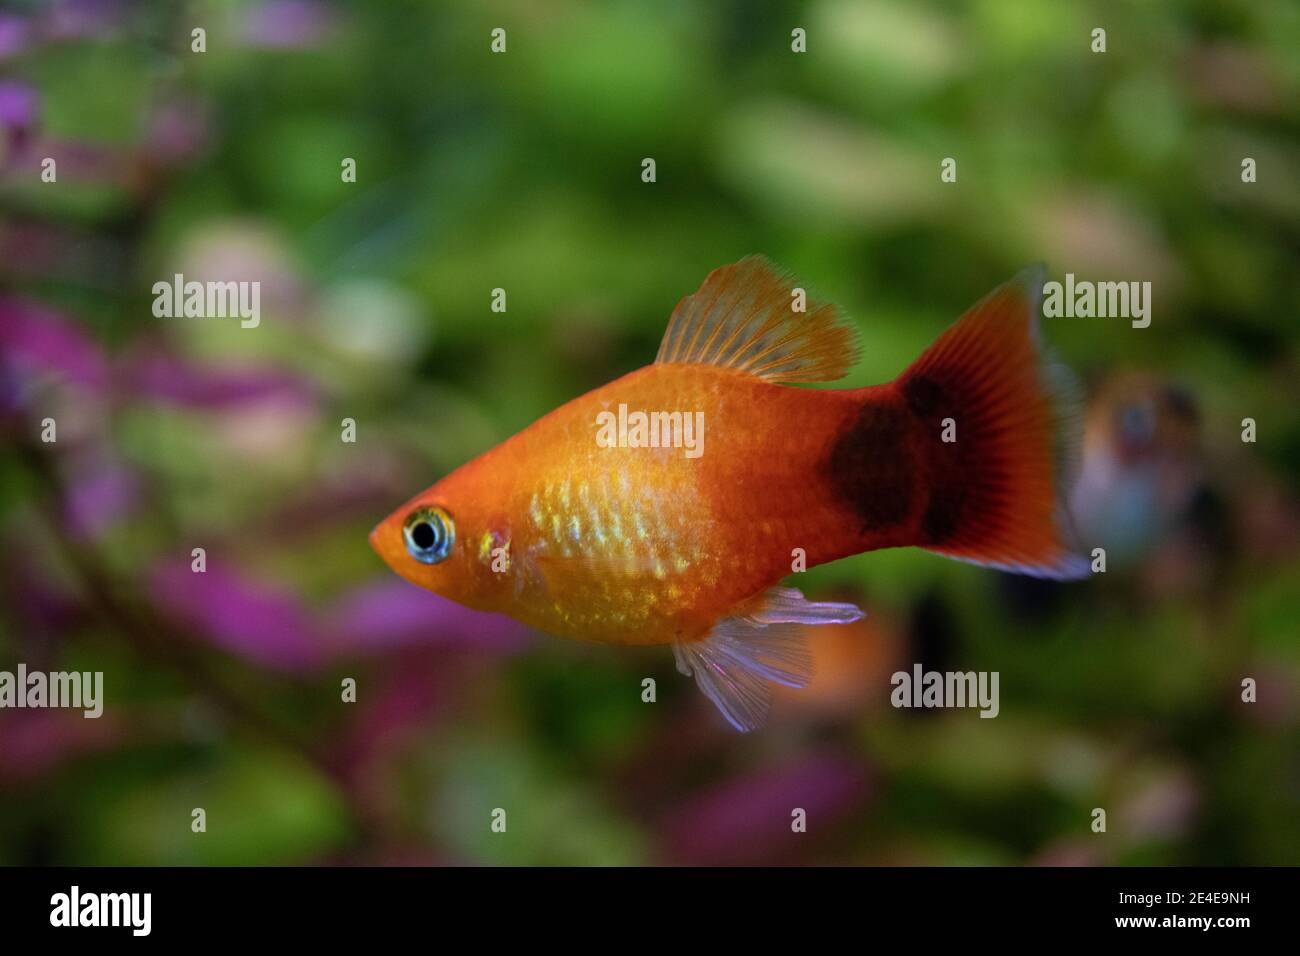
(1137, 422)
(429, 534)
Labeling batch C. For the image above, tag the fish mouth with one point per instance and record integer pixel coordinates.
(375, 543)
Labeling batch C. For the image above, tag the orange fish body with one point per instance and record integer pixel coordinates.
(646, 545)
(666, 506)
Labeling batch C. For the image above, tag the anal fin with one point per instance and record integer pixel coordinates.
(760, 644)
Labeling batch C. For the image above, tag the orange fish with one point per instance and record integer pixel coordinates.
(613, 519)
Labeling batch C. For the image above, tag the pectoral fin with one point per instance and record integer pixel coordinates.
(760, 644)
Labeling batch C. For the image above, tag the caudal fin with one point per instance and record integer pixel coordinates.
(1011, 415)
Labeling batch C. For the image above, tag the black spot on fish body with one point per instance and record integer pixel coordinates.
(871, 466)
(932, 402)
(925, 397)
(943, 513)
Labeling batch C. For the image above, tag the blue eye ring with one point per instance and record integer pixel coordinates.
(429, 534)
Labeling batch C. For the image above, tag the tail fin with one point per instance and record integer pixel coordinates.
(996, 486)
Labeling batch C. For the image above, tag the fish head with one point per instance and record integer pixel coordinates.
(443, 539)
(1143, 420)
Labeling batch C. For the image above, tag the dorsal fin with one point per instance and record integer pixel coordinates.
(742, 317)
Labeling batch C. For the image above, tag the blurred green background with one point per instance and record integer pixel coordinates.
(522, 171)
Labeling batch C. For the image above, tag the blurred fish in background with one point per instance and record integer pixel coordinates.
(1141, 466)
